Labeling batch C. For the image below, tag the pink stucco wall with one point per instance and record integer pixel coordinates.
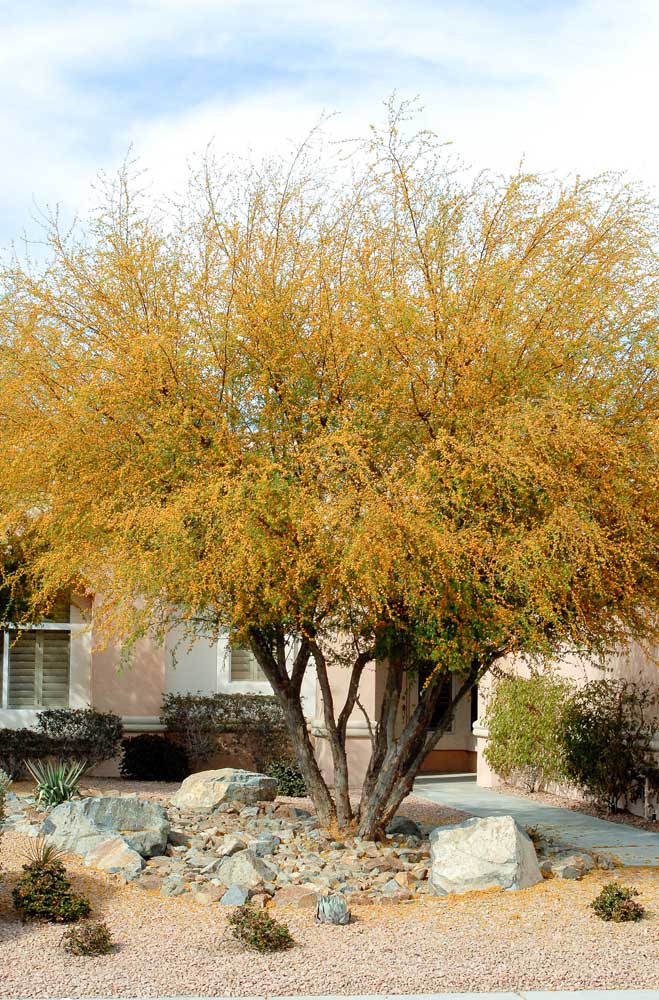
(135, 690)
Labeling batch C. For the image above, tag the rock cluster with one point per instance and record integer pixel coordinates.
(238, 849)
(114, 833)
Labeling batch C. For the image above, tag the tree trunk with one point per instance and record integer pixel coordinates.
(404, 756)
(287, 689)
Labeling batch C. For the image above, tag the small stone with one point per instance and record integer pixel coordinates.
(245, 868)
(236, 895)
(173, 885)
(298, 896)
(402, 826)
(179, 838)
(264, 845)
(206, 894)
(150, 883)
(229, 845)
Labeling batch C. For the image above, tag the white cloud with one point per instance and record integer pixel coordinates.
(571, 85)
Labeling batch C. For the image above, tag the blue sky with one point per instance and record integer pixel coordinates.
(569, 85)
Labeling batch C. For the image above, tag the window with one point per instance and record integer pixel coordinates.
(244, 666)
(36, 663)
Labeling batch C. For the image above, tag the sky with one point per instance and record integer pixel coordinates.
(569, 85)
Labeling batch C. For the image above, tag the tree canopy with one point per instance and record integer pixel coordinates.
(375, 397)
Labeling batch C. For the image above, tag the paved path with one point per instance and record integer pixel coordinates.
(631, 846)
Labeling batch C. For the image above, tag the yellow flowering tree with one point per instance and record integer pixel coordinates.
(380, 405)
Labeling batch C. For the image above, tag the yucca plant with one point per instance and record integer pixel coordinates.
(57, 781)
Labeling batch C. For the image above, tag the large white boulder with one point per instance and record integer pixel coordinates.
(80, 825)
(481, 854)
(206, 790)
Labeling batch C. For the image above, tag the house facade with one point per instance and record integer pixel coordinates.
(56, 665)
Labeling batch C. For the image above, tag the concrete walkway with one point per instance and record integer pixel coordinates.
(631, 846)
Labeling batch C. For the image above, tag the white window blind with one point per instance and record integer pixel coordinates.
(39, 666)
(244, 666)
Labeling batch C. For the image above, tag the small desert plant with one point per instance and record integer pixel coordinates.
(57, 781)
(88, 939)
(255, 929)
(150, 757)
(288, 776)
(44, 892)
(616, 902)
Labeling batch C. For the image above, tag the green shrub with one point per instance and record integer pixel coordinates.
(64, 733)
(98, 734)
(259, 931)
(524, 722)
(44, 892)
(19, 745)
(607, 730)
(289, 778)
(57, 781)
(196, 720)
(88, 939)
(150, 757)
(616, 902)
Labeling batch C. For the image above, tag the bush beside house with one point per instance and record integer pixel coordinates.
(597, 738)
(247, 725)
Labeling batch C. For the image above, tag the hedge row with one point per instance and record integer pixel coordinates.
(68, 733)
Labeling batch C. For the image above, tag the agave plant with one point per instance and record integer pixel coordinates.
(57, 781)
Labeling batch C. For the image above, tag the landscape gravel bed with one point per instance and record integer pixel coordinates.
(543, 937)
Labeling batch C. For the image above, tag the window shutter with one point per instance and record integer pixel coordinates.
(244, 666)
(22, 670)
(39, 664)
(56, 664)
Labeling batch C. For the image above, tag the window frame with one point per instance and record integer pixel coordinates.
(7, 629)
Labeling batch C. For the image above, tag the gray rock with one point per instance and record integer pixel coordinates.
(113, 855)
(76, 825)
(569, 866)
(179, 838)
(203, 860)
(402, 826)
(245, 868)
(230, 845)
(265, 845)
(173, 885)
(235, 895)
(205, 894)
(482, 854)
(206, 790)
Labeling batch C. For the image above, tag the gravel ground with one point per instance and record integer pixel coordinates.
(544, 937)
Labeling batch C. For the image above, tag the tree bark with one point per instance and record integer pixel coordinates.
(404, 756)
(287, 690)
